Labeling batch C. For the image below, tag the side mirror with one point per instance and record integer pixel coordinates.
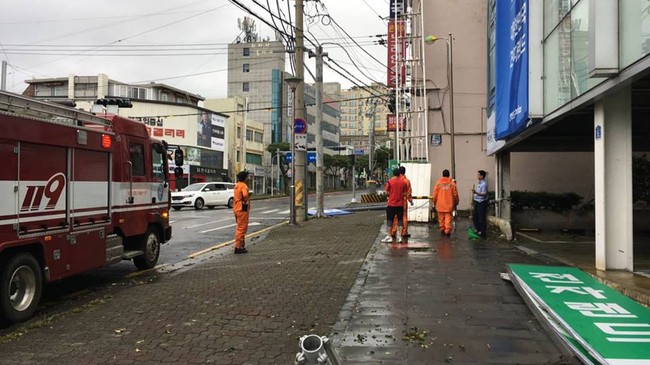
(178, 157)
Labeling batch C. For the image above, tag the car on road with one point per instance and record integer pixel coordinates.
(206, 194)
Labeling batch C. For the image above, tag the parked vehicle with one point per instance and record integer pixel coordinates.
(207, 194)
(80, 191)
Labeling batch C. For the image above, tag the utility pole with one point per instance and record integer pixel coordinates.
(371, 136)
(319, 130)
(299, 106)
(3, 83)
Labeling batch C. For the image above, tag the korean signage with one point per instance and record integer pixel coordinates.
(397, 8)
(511, 67)
(396, 53)
(391, 123)
(611, 327)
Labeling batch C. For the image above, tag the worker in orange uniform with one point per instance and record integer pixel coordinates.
(408, 198)
(241, 208)
(395, 191)
(445, 199)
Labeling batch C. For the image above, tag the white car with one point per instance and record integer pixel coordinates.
(207, 194)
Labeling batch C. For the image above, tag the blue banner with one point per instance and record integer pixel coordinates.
(511, 67)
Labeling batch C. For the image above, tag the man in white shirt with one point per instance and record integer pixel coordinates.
(480, 205)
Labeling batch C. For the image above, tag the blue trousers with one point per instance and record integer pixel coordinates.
(480, 216)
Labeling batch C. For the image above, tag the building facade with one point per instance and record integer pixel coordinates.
(170, 114)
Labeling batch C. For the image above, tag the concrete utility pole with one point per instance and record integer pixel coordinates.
(371, 137)
(319, 130)
(3, 82)
(299, 100)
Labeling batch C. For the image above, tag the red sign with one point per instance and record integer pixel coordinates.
(396, 53)
(391, 123)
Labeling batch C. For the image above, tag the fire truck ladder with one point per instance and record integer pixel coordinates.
(15, 104)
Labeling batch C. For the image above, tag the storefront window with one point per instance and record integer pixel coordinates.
(557, 67)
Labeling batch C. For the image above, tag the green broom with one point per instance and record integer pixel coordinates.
(470, 231)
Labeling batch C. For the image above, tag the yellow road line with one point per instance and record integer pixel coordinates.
(220, 245)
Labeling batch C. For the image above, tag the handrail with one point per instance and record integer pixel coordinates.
(26, 106)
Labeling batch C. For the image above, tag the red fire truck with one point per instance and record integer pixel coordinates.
(79, 191)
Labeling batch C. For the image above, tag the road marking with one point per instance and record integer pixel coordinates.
(270, 211)
(220, 245)
(203, 224)
(285, 212)
(218, 228)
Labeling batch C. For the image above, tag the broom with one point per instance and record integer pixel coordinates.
(470, 231)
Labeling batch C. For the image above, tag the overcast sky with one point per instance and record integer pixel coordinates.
(46, 38)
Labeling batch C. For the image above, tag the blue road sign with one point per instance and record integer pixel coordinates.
(299, 126)
(311, 157)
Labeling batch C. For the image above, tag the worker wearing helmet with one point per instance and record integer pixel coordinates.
(241, 208)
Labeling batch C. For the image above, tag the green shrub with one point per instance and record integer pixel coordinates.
(555, 202)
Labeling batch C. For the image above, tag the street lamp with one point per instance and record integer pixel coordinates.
(450, 74)
(293, 83)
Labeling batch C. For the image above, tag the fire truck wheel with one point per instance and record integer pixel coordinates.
(231, 202)
(198, 204)
(151, 247)
(20, 287)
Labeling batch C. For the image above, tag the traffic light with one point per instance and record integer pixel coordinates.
(391, 104)
(352, 159)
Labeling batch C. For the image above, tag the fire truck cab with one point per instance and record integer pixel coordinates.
(79, 191)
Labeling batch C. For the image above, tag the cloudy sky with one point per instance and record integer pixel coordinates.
(182, 43)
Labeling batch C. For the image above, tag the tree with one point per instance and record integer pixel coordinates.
(284, 166)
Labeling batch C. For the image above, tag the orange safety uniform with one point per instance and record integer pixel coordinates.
(241, 198)
(395, 190)
(445, 198)
(408, 198)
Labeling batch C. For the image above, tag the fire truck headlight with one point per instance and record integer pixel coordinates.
(165, 214)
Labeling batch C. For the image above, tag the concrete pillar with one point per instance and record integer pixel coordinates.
(502, 186)
(613, 181)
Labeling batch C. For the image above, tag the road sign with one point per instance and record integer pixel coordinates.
(301, 142)
(288, 157)
(299, 126)
(358, 151)
(311, 157)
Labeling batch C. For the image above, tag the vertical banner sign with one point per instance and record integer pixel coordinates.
(511, 67)
(397, 8)
(396, 53)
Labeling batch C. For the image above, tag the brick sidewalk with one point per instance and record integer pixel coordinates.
(244, 309)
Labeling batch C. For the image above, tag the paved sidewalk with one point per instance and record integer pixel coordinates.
(231, 309)
(434, 301)
(440, 300)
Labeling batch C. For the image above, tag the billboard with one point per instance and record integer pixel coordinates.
(511, 67)
(391, 123)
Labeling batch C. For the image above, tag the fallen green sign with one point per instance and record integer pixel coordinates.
(611, 327)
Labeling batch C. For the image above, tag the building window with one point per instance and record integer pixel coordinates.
(257, 137)
(249, 135)
(246, 87)
(85, 90)
(247, 52)
(239, 132)
(164, 97)
(246, 67)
